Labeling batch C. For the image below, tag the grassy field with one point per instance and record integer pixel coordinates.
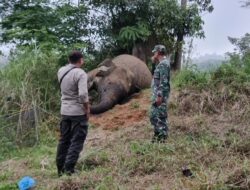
(209, 132)
(118, 153)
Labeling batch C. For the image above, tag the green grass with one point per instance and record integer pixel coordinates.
(135, 105)
(126, 161)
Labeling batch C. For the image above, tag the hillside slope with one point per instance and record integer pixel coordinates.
(119, 155)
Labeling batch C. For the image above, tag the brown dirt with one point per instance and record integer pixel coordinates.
(125, 115)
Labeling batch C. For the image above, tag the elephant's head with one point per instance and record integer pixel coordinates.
(111, 83)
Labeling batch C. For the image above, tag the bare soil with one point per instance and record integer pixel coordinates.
(125, 115)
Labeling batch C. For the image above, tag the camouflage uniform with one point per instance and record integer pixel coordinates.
(161, 88)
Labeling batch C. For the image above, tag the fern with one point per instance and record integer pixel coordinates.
(130, 34)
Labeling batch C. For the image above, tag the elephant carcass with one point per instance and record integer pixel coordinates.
(116, 79)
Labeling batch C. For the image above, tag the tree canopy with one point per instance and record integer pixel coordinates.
(106, 26)
(128, 22)
(242, 44)
(44, 22)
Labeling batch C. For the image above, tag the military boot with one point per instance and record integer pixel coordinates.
(159, 138)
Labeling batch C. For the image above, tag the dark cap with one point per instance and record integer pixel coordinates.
(159, 48)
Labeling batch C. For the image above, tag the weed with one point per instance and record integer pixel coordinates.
(8, 187)
(243, 147)
(107, 183)
(135, 105)
(93, 160)
(239, 179)
(6, 175)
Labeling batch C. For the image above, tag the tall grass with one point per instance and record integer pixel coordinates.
(29, 94)
(28, 87)
(30, 77)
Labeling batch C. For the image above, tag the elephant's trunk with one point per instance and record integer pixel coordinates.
(109, 96)
(104, 105)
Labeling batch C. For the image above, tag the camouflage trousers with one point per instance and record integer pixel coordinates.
(159, 119)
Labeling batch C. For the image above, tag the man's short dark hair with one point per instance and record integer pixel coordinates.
(75, 56)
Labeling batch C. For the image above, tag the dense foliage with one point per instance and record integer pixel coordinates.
(46, 23)
(100, 28)
(124, 24)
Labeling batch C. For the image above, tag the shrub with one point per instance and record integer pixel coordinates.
(235, 74)
(191, 76)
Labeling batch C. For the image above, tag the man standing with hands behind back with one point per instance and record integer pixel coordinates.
(160, 94)
(74, 111)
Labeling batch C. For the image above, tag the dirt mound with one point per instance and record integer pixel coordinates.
(124, 115)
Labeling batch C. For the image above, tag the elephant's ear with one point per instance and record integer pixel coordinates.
(107, 62)
(105, 68)
(105, 71)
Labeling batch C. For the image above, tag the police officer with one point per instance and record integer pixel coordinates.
(74, 111)
(160, 93)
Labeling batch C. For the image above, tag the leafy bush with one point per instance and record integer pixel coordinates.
(235, 74)
(191, 76)
(233, 71)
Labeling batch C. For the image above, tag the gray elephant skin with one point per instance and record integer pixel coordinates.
(116, 79)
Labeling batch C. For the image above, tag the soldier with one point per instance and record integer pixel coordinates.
(160, 94)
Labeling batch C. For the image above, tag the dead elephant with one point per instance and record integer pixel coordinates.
(116, 79)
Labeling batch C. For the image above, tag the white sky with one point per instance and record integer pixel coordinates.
(227, 19)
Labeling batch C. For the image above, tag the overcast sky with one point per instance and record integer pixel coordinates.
(227, 19)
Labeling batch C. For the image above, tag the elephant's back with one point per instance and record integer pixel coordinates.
(140, 70)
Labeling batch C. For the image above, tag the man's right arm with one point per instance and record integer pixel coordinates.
(87, 109)
(83, 92)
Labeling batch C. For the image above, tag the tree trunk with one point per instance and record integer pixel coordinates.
(139, 51)
(143, 50)
(180, 37)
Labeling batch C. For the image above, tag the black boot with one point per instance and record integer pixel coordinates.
(162, 138)
(155, 137)
(60, 170)
(69, 169)
(159, 138)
